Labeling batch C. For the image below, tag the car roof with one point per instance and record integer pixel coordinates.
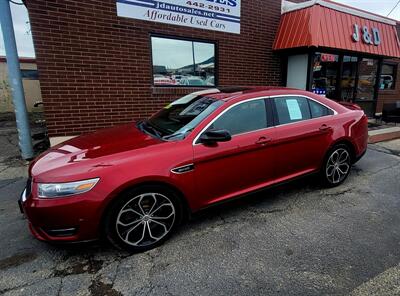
(236, 94)
(231, 92)
(240, 93)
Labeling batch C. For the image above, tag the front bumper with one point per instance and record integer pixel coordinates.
(69, 219)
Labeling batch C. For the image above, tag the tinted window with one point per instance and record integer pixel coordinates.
(291, 109)
(179, 62)
(318, 110)
(245, 117)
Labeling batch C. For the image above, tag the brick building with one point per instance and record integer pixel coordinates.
(101, 63)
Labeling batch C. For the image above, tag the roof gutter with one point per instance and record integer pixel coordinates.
(288, 6)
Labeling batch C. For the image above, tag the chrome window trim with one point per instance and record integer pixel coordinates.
(264, 98)
(303, 96)
(223, 112)
(304, 120)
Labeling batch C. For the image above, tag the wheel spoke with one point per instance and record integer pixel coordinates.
(346, 166)
(155, 201)
(166, 204)
(162, 218)
(131, 229)
(330, 168)
(140, 205)
(335, 156)
(143, 233)
(148, 228)
(343, 157)
(340, 172)
(151, 234)
(128, 224)
(333, 176)
(130, 210)
(161, 224)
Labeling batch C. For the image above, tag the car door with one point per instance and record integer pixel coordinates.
(303, 135)
(229, 168)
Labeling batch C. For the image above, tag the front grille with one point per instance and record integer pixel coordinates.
(28, 187)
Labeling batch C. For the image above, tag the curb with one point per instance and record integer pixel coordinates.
(381, 135)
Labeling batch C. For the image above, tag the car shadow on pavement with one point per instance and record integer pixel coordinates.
(270, 200)
(278, 198)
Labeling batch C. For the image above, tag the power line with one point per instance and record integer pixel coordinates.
(393, 8)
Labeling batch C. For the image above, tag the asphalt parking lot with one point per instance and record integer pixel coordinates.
(297, 239)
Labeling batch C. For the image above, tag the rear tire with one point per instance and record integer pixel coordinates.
(337, 166)
(143, 218)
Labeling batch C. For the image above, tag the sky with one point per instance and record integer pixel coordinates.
(25, 45)
(175, 54)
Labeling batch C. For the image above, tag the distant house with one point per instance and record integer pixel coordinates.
(30, 82)
(160, 70)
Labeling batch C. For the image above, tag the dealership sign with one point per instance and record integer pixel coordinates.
(217, 15)
(368, 36)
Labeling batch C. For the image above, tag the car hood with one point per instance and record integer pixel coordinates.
(93, 148)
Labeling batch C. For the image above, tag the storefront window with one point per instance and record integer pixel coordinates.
(183, 62)
(388, 76)
(325, 69)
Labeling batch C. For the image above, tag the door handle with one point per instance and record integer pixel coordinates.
(324, 128)
(263, 140)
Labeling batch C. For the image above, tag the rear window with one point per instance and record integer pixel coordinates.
(318, 110)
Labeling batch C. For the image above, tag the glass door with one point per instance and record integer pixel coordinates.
(365, 96)
(348, 78)
(345, 78)
(325, 69)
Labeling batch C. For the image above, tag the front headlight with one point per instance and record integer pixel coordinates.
(52, 190)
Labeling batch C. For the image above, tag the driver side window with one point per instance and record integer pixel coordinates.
(245, 117)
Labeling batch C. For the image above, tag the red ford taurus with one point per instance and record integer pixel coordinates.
(135, 183)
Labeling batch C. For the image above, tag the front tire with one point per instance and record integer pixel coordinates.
(143, 218)
(336, 166)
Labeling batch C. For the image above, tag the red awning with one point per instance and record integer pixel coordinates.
(330, 25)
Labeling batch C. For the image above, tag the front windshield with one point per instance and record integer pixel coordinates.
(178, 119)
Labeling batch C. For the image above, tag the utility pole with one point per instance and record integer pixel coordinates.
(15, 80)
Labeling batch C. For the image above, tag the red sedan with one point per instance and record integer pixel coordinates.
(135, 183)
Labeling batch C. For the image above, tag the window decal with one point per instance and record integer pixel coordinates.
(294, 109)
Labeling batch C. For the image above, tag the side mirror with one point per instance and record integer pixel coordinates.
(214, 136)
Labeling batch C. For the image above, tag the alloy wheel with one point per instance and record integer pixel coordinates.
(145, 219)
(338, 166)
